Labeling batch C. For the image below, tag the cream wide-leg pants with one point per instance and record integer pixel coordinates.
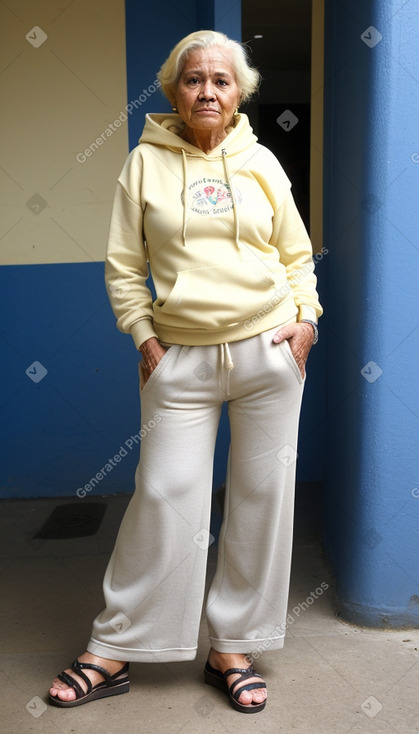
(155, 581)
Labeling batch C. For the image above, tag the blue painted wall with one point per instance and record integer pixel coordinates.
(371, 226)
(59, 432)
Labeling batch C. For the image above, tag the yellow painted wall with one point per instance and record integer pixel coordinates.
(59, 94)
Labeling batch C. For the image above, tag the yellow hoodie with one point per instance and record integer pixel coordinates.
(227, 249)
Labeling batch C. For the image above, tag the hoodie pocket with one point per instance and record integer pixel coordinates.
(217, 296)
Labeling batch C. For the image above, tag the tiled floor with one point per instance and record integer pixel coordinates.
(330, 678)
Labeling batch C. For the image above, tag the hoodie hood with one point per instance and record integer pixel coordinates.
(164, 130)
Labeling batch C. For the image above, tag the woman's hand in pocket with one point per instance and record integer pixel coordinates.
(151, 352)
(300, 337)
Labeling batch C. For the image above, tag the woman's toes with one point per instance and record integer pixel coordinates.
(224, 661)
(64, 693)
(260, 695)
(246, 697)
(257, 695)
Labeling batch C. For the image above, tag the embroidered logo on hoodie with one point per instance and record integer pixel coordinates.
(211, 196)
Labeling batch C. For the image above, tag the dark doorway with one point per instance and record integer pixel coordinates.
(278, 36)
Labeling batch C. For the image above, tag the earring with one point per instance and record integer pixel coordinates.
(236, 111)
(174, 109)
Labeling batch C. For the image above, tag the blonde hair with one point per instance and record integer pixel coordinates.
(247, 78)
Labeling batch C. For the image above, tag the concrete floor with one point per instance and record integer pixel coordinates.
(330, 678)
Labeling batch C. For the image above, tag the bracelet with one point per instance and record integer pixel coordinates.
(315, 329)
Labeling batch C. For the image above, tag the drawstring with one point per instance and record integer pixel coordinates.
(185, 176)
(227, 174)
(227, 365)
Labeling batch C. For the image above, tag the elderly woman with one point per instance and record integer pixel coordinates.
(210, 212)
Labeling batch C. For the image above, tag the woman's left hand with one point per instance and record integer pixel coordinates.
(300, 337)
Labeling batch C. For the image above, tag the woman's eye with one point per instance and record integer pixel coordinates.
(222, 82)
(193, 80)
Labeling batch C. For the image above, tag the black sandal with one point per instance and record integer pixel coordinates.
(219, 680)
(111, 686)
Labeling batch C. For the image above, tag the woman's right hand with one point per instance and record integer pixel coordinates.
(152, 352)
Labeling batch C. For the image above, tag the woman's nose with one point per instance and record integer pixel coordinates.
(207, 91)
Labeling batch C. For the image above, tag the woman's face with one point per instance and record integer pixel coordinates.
(207, 92)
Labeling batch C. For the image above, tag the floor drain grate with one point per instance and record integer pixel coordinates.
(70, 521)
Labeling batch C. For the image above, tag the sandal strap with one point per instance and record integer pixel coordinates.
(70, 681)
(249, 687)
(245, 674)
(249, 670)
(77, 666)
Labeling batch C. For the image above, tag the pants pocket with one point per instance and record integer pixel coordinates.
(145, 383)
(291, 360)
